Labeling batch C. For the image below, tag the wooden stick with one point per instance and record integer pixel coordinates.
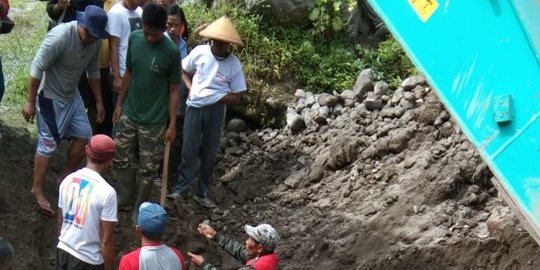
(165, 174)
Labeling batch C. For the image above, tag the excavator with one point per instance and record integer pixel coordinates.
(482, 58)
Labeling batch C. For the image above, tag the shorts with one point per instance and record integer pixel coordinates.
(66, 261)
(57, 120)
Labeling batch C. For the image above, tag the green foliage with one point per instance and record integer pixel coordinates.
(327, 18)
(390, 62)
(317, 59)
(17, 51)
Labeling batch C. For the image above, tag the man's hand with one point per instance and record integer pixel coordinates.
(116, 114)
(100, 112)
(170, 134)
(29, 111)
(207, 231)
(117, 84)
(197, 260)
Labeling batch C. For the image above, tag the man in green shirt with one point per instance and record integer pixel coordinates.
(148, 97)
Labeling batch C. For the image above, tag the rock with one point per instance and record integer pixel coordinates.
(380, 88)
(237, 125)
(235, 151)
(337, 110)
(315, 173)
(372, 103)
(342, 151)
(324, 111)
(326, 99)
(364, 83)
(295, 122)
(446, 130)
(443, 117)
(231, 175)
(310, 99)
(321, 120)
(409, 163)
(412, 82)
(348, 94)
(223, 143)
(300, 93)
(349, 103)
(254, 139)
(294, 180)
(409, 96)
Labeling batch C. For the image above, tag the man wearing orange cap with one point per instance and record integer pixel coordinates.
(88, 212)
(214, 78)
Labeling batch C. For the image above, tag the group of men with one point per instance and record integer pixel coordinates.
(147, 63)
(145, 71)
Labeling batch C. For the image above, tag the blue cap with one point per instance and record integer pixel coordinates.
(94, 20)
(152, 219)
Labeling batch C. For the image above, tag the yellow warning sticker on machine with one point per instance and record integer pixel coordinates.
(424, 8)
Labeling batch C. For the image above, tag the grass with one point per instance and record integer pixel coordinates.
(17, 50)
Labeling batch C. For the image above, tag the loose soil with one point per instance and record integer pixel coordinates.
(366, 190)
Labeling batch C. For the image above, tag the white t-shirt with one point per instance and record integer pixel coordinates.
(121, 23)
(85, 199)
(213, 79)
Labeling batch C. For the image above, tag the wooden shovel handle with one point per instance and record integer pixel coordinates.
(165, 174)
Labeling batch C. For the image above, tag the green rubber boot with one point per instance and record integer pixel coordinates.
(125, 188)
(143, 194)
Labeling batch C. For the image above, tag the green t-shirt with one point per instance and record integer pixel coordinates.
(153, 68)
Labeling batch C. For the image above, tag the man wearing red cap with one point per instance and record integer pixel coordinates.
(88, 212)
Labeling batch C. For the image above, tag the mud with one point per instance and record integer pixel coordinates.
(390, 187)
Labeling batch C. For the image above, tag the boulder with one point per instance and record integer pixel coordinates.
(364, 83)
(411, 82)
(295, 122)
(237, 125)
(326, 99)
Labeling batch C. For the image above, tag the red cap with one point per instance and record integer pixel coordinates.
(101, 148)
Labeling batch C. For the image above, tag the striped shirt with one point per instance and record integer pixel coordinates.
(151, 257)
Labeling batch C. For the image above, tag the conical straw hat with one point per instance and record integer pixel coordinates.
(222, 29)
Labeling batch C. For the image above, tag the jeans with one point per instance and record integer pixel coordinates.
(202, 131)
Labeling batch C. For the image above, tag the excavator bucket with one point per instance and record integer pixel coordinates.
(482, 58)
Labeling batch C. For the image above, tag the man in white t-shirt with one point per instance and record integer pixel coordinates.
(124, 17)
(88, 212)
(214, 78)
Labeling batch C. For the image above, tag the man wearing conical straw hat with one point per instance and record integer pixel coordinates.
(214, 78)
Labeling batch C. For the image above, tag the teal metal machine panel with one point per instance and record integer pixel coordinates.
(482, 58)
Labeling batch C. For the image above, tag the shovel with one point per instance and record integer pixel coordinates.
(165, 174)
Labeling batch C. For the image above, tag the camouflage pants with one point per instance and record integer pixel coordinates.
(139, 145)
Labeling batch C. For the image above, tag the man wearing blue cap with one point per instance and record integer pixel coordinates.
(65, 53)
(153, 254)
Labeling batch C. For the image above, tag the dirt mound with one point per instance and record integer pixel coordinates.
(368, 179)
(383, 181)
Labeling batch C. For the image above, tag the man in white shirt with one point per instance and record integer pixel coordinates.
(124, 17)
(214, 78)
(88, 212)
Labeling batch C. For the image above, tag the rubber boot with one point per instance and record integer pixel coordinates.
(143, 194)
(125, 188)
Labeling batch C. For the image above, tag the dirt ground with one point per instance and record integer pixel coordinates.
(367, 189)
